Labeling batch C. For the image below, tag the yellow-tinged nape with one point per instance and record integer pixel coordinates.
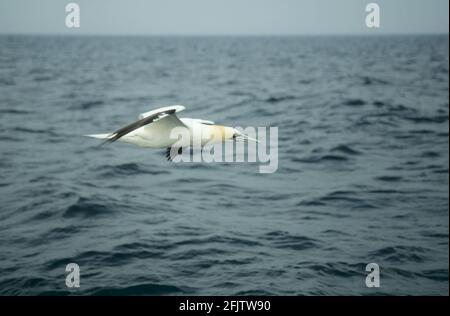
(220, 133)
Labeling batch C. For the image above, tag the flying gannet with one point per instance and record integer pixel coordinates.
(154, 128)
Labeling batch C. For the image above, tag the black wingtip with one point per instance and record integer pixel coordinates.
(103, 143)
(169, 155)
(108, 141)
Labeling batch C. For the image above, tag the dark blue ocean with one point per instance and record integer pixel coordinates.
(362, 174)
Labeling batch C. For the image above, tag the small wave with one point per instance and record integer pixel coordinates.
(427, 119)
(140, 289)
(255, 293)
(131, 246)
(200, 253)
(7, 82)
(345, 149)
(28, 285)
(31, 130)
(390, 191)
(218, 189)
(335, 232)
(44, 215)
(379, 103)
(38, 71)
(333, 158)
(371, 81)
(311, 203)
(355, 102)
(349, 199)
(439, 171)
(218, 240)
(106, 258)
(277, 99)
(262, 112)
(435, 275)
(400, 254)
(282, 239)
(422, 132)
(339, 269)
(42, 78)
(128, 169)
(61, 232)
(440, 275)
(325, 158)
(13, 111)
(87, 208)
(88, 105)
(389, 178)
(430, 154)
(435, 235)
(340, 196)
(250, 95)
(305, 81)
(7, 138)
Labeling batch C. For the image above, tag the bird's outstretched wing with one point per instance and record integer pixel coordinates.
(145, 119)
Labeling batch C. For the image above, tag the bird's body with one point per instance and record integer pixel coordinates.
(155, 129)
(157, 134)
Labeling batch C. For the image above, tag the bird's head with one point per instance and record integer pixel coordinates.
(223, 133)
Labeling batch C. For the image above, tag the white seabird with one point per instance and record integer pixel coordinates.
(153, 130)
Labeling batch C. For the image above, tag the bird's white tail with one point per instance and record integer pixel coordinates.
(100, 136)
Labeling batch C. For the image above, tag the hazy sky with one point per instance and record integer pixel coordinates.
(262, 17)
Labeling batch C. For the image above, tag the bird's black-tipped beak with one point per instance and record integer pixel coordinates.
(243, 137)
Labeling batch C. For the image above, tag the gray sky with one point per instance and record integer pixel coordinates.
(234, 17)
